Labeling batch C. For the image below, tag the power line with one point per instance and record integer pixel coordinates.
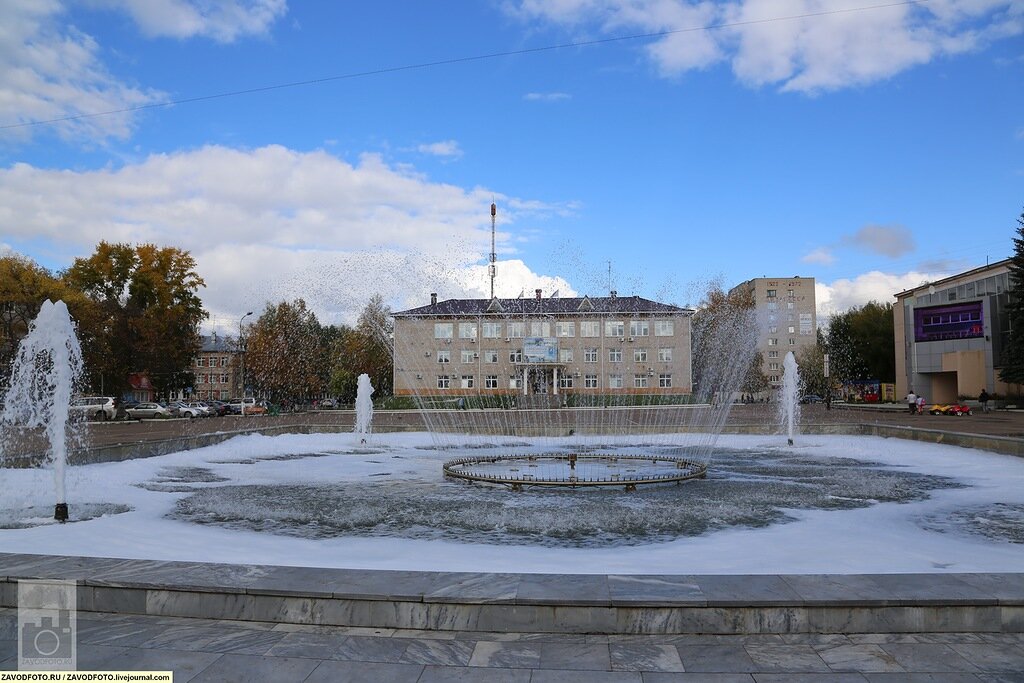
(456, 60)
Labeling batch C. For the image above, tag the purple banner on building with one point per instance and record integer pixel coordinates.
(952, 321)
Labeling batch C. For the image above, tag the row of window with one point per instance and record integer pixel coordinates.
(202, 379)
(615, 381)
(201, 362)
(773, 306)
(588, 328)
(775, 342)
(640, 355)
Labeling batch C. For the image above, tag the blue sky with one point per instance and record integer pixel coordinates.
(872, 149)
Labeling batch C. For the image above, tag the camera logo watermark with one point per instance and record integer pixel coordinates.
(47, 625)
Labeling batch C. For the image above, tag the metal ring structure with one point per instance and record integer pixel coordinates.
(469, 468)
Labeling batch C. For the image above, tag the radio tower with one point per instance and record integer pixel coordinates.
(494, 256)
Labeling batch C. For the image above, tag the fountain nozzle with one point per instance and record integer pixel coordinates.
(60, 512)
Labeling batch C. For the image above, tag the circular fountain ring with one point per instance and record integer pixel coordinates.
(575, 470)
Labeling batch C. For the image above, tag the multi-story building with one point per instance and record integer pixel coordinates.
(951, 335)
(216, 368)
(589, 345)
(786, 316)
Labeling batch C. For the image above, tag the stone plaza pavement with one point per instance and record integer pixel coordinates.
(216, 650)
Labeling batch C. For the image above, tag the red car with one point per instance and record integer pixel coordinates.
(957, 409)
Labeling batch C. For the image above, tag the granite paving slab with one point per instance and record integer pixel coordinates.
(449, 674)
(1005, 587)
(236, 668)
(716, 659)
(655, 590)
(557, 676)
(185, 665)
(659, 677)
(809, 678)
(929, 678)
(563, 589)
(213, 639)
(506, 655)
(122, 633)
(644, 657)
(860, 658)
(442, 652)
(748, 591)
(575, 656)
(364, 672)
(8, 626)
(371, 649)
(828, 589)
(992, 658)
(790, 658)
(929, 589)
(928, 657)
(309, 645)
(475, 588)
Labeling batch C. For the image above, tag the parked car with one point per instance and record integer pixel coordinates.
(811, 398)
(194, 409)
(957, 409)
(219, 408)
(145, 411)
(93, 408)
(328, 404)
(251, 407)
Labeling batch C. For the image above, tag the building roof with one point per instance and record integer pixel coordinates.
(967, 273)
(216, 344)
(550, 306)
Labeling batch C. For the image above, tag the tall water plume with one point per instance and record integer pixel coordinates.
(789, 401)
(364, 406)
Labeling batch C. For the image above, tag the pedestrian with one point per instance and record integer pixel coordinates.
(983, 399)
(912, 402)
(920, 405)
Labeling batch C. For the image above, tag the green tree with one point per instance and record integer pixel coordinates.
(1012, 371)
(284, 355)
(149, 313)
(811, 361)
(366, 348)
(861, 343)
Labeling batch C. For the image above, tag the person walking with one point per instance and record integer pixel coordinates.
(920, 405)
(912, 402)
(983, 400)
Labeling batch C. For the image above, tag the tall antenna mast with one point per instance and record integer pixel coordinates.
(609, 276)
(494, 256)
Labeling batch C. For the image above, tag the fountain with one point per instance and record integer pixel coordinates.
(43, 377)
(789, 403)
(364, 407)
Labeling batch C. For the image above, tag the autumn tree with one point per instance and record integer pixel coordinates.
(285, 356)
(148, 312)
(811, 361)
(861, 343)
(724, 333)
(366, 348)
(1012, 371)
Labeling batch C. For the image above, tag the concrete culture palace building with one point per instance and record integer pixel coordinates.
(542, 346)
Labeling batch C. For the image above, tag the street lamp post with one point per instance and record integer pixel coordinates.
(241, 359)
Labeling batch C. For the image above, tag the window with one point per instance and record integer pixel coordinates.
(773, 366)
(442, 330)
(792, 330)
(772, 306)
(771, 293)
(200, 362)
(200, 379)
(792, 342)
(565, 329)
(773, 354)
(565, 381)
(614, 355)
(540, 329)
(515, 330)
(664, 328)
(773, 342)
(467, 381)
(773, 378)
(665, 381)
(467, 356)
(444, 356)
(490, 356)
(773, 330)
(565, 355)
(224, 394)
(223, 361)
(589, 355)
(491, 330)
(515, 356)
(639, 328)
(665, 355)
(639, 355)
(514, 382)
(491, 382)
(790, 305)
(467, 330)
(443, 382)
(590, 329)
(614, 381)
(224, 378)
(614, 328)
(590, 382)
(640, 381)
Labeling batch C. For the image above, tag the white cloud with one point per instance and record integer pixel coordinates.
(221, 20)
(886, 240)
(546, 96)
(50, 71)
(445, 148)
(272, 223)
(820, 256)
(841, 295)
(835, 49)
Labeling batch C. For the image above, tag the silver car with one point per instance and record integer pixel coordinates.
(93, 408)
(146, 411)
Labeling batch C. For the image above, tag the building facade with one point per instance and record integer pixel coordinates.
(216, 369)
(950, 335)
(555, 346)
(786, 315)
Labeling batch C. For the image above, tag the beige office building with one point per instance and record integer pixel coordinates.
(787, 318)
(950, 335)
(543, 346)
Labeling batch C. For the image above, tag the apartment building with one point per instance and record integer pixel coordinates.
(787, 318)
(534, 346)
(950, 335)
(216, 370)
